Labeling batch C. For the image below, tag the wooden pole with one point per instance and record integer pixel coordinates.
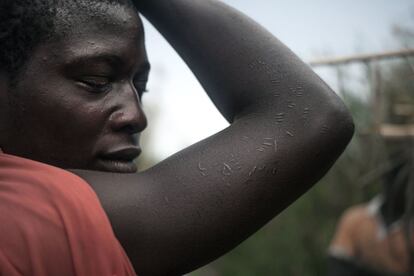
(362, 58)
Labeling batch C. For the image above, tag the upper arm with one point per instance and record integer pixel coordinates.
(204, 200)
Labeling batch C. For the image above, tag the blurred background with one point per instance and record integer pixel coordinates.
(363, 50)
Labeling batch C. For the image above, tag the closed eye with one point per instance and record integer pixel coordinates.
(96, 84)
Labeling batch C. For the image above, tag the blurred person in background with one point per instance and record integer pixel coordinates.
(376, 238)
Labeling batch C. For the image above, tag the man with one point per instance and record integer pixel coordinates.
(73, 90)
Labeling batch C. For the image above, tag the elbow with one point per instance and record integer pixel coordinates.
(348, 125)
(338, 125)
(326, 137)
(343, 122)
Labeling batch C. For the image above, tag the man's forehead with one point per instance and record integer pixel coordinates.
(102, 16)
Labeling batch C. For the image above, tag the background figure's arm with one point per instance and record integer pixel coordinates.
(287, 129)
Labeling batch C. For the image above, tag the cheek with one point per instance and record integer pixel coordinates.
(64, 117)
(79, 119)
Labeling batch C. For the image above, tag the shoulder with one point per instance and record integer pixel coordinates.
(344, 243)
(43, 183)
(22, 171)
(52, 222)
(47, 192)
(354, 216)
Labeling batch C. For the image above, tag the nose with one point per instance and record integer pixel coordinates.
(129, 116)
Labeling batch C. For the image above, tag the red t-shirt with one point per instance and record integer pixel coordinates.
(52, 223)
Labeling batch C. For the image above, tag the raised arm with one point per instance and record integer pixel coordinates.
(287, 129)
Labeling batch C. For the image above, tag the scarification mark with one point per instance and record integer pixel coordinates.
(280, 117)
(274, 171)
(253, 171)
(297, 90)
(245, 138)
(268, 142)
(290, 133)
(306, 112)
(325, 129)
(227, 170)
(291, 104)
(275, 145)
(203, 171)
(166, 199)
(275, 82)
(261, 168)
(260, 149)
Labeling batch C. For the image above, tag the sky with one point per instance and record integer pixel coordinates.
(180, 113)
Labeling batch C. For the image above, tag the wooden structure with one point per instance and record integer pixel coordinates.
(370, 61)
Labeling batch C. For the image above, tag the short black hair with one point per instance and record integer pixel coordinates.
(26, 23)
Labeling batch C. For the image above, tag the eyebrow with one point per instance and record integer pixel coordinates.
(113, 60)
(87, 58)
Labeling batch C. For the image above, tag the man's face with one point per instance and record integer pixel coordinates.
(77, 103)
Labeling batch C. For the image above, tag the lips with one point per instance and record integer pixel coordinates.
(126, 154)
(119, 160)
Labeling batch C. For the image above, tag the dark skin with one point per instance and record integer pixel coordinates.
(91, 82)
(287, 129)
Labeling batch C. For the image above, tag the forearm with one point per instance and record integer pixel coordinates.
(240, 64)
